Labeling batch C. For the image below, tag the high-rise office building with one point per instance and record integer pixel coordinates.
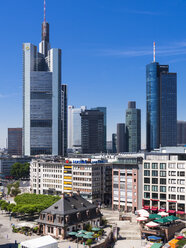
(161, 98)
(133, 128)
(74, 127)
(181, 133)
(64, 117)
(114, 142)
(121, 138)
(104, 110)
(92, 131)
(15, 141)
(42, 132)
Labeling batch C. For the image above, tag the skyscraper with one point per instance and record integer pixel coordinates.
(92, 131)
(121, 138)
(161, 100)
(181, 132)
(133, 128)
(114, 142)
(42, 132)
(104, 110)
(15, 141)
(64, 113)
(74, 127)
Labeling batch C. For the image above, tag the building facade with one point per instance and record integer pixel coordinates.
(104, 111)
(42, 132)
(15, 141)
(64, 118)
(133, 128)
(74, 128)
(126, 183)
(121, 138)
(92, 131)
(70, 214)
(161, 98)
(93, 178)
(164, 183)
(114, 143)
(181, 133)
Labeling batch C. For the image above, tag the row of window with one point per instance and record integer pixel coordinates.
(154, 173)
(162, 166)
(155, 188)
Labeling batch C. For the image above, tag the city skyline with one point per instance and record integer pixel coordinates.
(98, 45)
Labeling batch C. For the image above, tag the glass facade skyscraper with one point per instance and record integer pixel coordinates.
(42, 129)
(121, 138)
(133, 128)
(158, 81)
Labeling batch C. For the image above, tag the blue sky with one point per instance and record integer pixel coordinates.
(106, 45)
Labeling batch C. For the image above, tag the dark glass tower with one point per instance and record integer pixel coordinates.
(114, 142)
(158, 80)
(92, 131)
(133, 128)
(15, 141)
(181, 132)
(121, 138)
(104, 111)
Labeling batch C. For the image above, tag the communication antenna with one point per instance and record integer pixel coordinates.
(154, 52)
(44, 10)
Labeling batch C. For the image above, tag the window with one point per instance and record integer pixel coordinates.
(154, 180)
(48, 229)
(162, 166)
(147, 165)
(155, 173)
(59, 231)
(147, 173)
(146, 195)
(163, 196)
(154, 188)
(181, 166)
(172, 166)
(115, 173)
(162, 173)
(146, 187)
(181, 173)
(172, 173)
(52, 229)
(146, 180)
(162, 181)
(162, 189)
(154, 196)
(172, 197)
(182, 197)
(154, 166)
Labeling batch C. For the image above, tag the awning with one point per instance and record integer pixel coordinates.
(162, 210)
(156, 245)
(146, 207)
(154, 199)
(171, 211)
(180, 212)
(154, 208)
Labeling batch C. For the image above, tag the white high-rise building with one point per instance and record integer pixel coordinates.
(74, 127)
(42, 127)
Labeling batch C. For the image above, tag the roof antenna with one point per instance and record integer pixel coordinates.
(44, 10)
(154, 52)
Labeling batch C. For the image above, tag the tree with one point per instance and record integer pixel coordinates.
(13, 189)
(89, 242)
(19, 171)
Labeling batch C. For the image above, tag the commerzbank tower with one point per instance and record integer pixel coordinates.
(43, 113)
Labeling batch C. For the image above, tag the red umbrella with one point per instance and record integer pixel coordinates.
(180, 237)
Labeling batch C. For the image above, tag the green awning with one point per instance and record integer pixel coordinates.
(80, 235)
(72, 233)
(162, 220)
(156, 245)
(154, 216)
(81, 231)
(172, 218)
(88, 237)
(96, 229)
(89, 233)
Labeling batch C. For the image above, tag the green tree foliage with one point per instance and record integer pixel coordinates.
(32, 203)
(13, 189)
(10, 207)
(19, 171)
(89, 242)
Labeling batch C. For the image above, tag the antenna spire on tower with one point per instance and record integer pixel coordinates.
(44, 10)
(154, 52)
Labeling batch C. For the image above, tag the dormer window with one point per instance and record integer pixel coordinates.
(78, 215)
(88, 212)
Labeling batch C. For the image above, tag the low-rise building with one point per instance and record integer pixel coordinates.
(127, 182)
(92, 177)
(70, 213)
(164, 183)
